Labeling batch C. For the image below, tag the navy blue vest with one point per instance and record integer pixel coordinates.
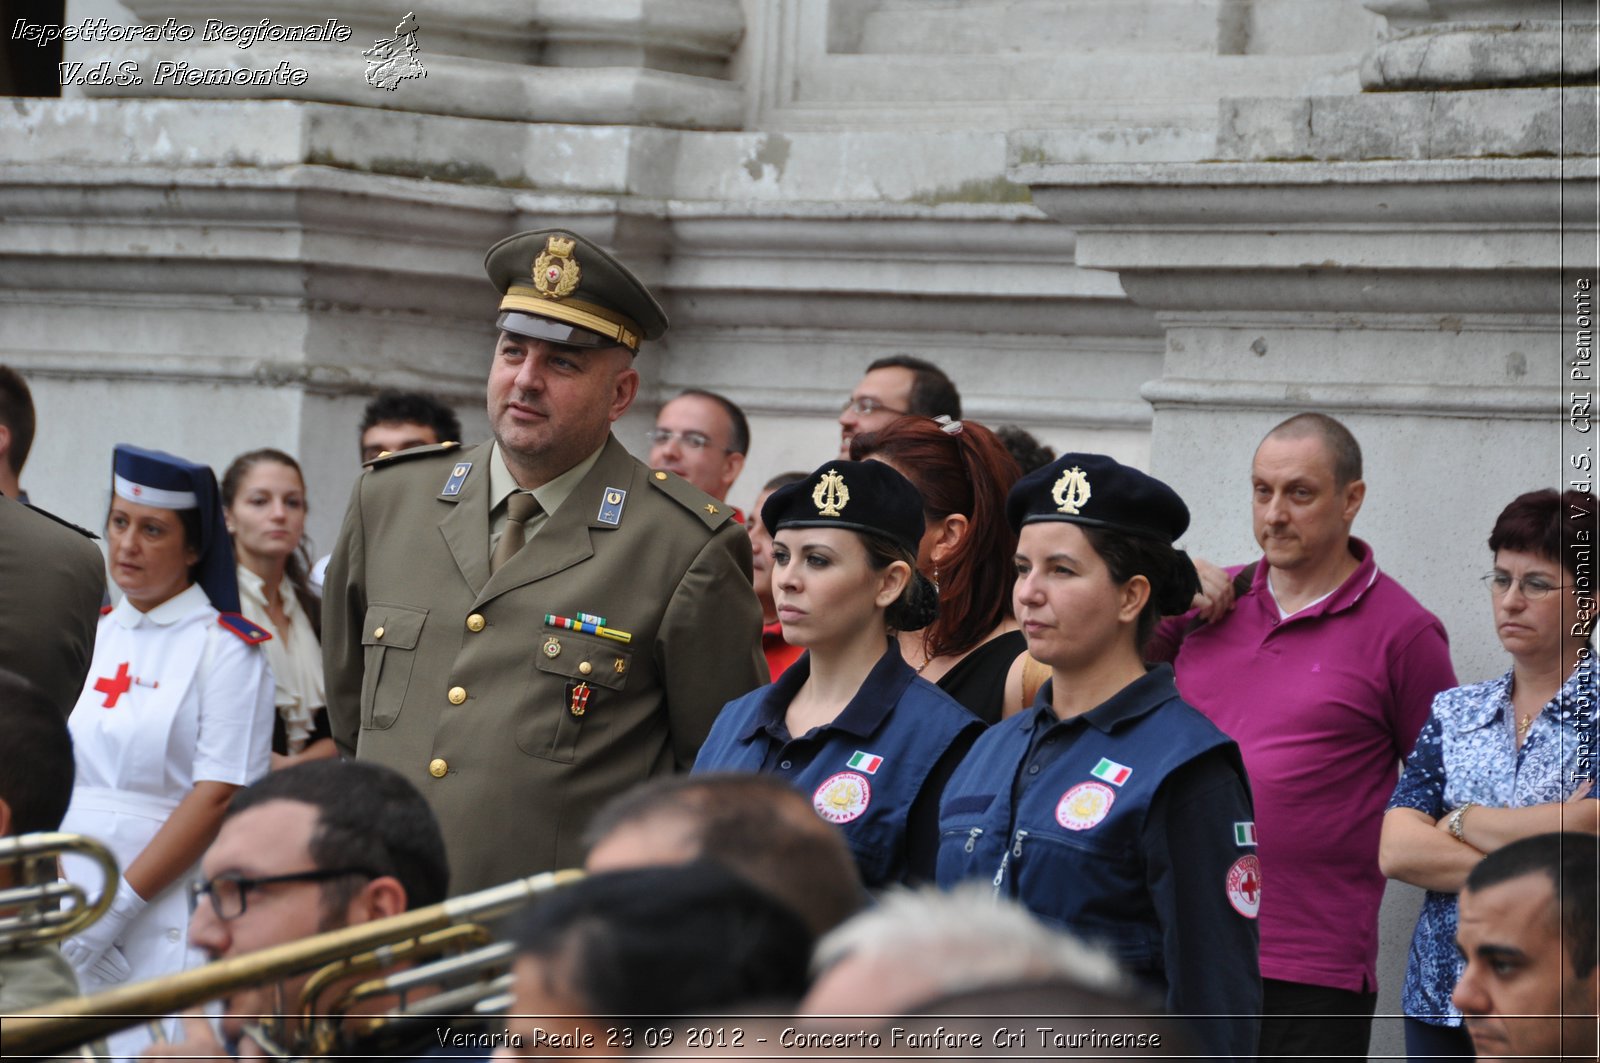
(863, 771)
(1071, 848)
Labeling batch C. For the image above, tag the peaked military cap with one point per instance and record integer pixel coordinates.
(1100, 492)
(557, 286)
(863, 496)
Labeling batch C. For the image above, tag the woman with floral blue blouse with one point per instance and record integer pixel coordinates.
(1500, 760)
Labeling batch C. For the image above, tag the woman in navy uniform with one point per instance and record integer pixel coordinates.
(175, 715)
(1111, 807)
(850, 724)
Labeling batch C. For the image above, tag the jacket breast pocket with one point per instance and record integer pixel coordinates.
(389, 651)
(577, 682)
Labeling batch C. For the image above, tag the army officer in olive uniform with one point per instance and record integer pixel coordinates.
(522, 686)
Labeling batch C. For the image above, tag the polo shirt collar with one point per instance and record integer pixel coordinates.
(864, 714)
(1137, 699)
(1347, 595)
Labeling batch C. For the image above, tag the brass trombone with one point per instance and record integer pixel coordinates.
(37, 894)
(63, 1025)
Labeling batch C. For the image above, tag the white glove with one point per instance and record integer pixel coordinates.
(95, 952)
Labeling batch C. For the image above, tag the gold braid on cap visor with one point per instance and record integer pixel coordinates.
(574, 312)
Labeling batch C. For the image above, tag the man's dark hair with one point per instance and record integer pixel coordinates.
(37, 770)
(412, 407)
(739, 424)
(368, 816)
(16, 413)
(784, 479)
(932, 392)
(1342, 446)
(757, 827)
(1029, 453)
(661, 941)
(1571, 862)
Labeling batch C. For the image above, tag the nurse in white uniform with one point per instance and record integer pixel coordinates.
(175, 715)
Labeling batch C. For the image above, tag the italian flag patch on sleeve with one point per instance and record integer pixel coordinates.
(1244, 834)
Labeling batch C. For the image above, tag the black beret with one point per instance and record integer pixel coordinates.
(1099, 492)
(557, 286)
(864, 496)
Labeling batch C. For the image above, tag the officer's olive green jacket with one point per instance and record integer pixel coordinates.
(515, 728)
(52, 581)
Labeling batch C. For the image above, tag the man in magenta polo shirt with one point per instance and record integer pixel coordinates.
(1323, 673)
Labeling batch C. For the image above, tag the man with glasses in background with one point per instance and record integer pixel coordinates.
(703, 437)
(897, 386)
(312, 848)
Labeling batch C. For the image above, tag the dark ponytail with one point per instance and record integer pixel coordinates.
(1172, 576)
(918, 604)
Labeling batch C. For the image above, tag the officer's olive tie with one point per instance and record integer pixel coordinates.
(520, 508)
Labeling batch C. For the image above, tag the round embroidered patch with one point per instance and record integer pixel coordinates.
(1084, 805)
(1244, 886)
(842, 797)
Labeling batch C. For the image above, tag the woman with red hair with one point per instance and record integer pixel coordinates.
(964, 472)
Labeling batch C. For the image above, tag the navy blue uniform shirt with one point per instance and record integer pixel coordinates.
(1131, 826)
(876, 771)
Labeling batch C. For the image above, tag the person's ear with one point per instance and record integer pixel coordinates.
(1354, 494)
(951, 530)
(1131, 597)
(379, 899)
(732, 466)
(892, 583)
(625, 386)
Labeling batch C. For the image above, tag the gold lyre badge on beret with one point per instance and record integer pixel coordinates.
(555, 272)
(830, 495)
(1071, 492)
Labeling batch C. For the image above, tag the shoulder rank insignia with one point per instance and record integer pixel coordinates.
(691, 498)
(611, 503)
(458, 476)
(390, 457)
(248, 630)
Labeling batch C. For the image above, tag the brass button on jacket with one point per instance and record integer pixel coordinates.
(438, 768)
(476, 622)
(458, 695)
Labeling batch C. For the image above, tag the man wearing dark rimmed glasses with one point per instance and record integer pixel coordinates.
(312, 848)
(897, 386)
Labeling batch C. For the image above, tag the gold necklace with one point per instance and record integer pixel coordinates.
(1523, 726)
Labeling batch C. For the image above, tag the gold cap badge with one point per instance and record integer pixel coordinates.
(830, 495)
(555, 271)
(1071, 492)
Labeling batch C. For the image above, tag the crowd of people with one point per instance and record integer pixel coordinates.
(948, 725)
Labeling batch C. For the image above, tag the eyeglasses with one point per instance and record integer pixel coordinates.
(1533, 587)
(692, 440)
(229, 891)
(865, 406)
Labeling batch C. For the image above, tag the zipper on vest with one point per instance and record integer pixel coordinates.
(972, 838)
(1005, 859)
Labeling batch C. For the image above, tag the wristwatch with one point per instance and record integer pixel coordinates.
(1456, 819)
